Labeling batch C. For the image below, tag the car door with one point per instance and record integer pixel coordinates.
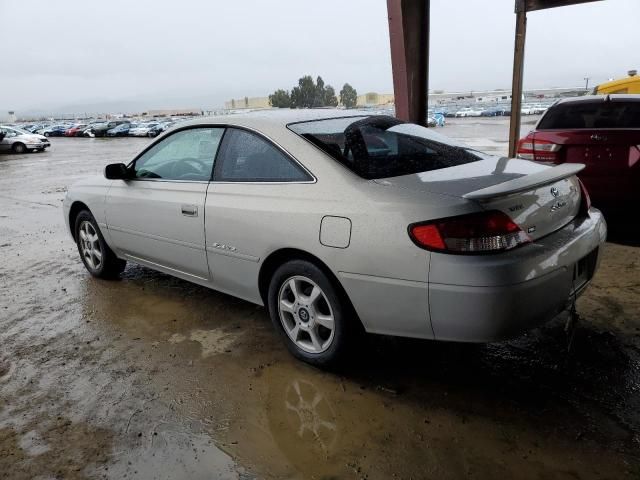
(157, 216)
(258, 193)
(4, 140)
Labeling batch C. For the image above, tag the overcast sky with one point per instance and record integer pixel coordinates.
(197, 53)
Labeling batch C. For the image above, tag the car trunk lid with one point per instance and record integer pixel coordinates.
(612, 157)
(539, 198)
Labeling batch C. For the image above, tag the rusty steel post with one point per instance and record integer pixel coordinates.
(516, 84)
(409, 38)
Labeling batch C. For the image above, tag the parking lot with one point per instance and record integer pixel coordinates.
(154, 377)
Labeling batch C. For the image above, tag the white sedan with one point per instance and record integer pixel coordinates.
(468, 112)
(343, 221)
(141, 130)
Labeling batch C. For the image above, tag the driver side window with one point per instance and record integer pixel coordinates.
(185, 155)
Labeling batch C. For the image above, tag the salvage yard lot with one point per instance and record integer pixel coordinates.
(153, 377)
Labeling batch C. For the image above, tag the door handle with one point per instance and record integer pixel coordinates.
(189, 210)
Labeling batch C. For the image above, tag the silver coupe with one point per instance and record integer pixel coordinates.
(341, 221)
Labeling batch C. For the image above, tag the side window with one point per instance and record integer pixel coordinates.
(185, 155)
(247, 157)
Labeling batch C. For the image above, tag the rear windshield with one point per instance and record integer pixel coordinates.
(605, 114)
(382, 146)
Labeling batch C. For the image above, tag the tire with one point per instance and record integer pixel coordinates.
(308, 319)
(89, 239)
(47, 134)
(19, 148)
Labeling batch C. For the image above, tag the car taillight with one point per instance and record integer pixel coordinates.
(483, 232)
(530, 148)
(585, 202)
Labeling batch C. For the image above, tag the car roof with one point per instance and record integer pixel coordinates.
(617, 97)
(275, 117)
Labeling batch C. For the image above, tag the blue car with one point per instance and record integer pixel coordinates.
(121, 130)
(54, 131)
(439, 118)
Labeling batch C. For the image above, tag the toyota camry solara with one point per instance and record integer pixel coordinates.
(339, 222)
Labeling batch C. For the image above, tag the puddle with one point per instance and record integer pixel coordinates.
(33, 444)
(169, 455)
(212, 342)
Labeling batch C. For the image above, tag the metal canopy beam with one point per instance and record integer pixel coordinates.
(409, 38)
(521, 9)
(531, 5)
(516, 82)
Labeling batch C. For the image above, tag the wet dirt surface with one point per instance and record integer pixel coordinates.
(153, 377)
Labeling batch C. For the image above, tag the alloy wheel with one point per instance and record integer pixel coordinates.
(306, 314)
(90, 245)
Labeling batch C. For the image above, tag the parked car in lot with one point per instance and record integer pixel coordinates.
(158, 129)
(15, 140)
(469, 112)
(142, 130)
(101, 129)
(539, 108)
(438, 119)
(74, 130)
(341, 223)
(121, 130)
(493, 111)
(602, 132)
(53, 131)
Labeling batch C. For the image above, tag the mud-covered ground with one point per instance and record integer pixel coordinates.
(153, 377)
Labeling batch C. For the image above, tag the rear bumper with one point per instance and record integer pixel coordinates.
(493, 297)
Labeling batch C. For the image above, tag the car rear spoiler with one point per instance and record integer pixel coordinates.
(526, 182)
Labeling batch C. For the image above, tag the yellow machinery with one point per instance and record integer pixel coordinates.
(630, 84)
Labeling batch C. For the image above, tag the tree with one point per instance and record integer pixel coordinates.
(330, 99)
(309, 94)
(280, 99)
(318, 101)
(303, 96)
(348, 96)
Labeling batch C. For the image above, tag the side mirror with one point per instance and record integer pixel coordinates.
(116, 171)
(2, 135)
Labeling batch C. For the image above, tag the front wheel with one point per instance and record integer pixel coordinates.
(310, 313)
(19, 148)
(96, 255)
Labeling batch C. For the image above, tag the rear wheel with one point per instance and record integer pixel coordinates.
(309, 312)
(96, 255)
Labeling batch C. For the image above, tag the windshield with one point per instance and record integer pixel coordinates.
(20, 131)
(382, 146)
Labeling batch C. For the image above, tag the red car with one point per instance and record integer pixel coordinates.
(74, 131)
(603, 132)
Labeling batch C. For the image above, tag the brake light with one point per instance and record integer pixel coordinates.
(585, 202)
(530, 148)
(483, 232)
